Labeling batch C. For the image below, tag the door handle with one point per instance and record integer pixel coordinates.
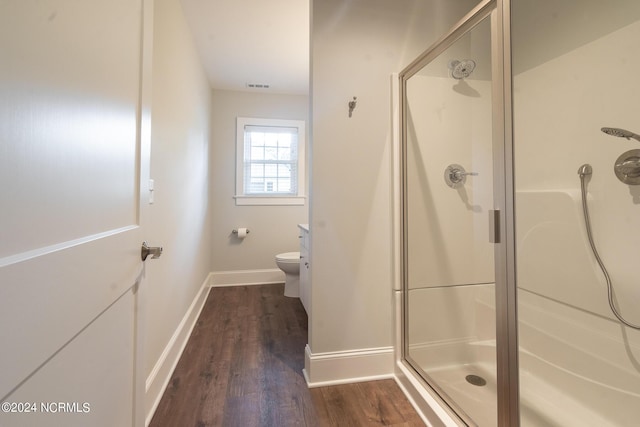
(494, 226)
(146, 250)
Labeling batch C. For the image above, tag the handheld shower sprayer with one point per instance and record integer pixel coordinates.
(627, 169)
(585, 170)
(620, 133)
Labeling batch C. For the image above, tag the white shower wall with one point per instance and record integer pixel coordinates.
(569, 339)
(559, 108)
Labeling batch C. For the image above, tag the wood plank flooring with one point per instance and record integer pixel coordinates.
(243, 367)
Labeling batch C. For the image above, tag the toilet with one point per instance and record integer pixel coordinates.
(289, 262)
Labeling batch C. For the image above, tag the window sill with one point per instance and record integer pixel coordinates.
(270, 200)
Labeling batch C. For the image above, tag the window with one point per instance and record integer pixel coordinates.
(270, 162)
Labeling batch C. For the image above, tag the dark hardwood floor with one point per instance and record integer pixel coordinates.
(243, 367)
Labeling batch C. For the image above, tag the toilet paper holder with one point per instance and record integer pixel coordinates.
(235, 231)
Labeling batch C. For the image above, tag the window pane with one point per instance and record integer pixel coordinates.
(256, 139)
(257, 170)
(284, 140)
(256, 186)
(257, 153)
(271, 153)
(284, 153)
(270, 170)
(284, 171)
(284, 185)
(271, 139)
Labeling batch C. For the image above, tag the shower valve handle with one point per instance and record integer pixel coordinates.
(629, 167)
(455, 175)
(459, 174)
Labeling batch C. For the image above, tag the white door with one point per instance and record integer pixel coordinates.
(72, 158)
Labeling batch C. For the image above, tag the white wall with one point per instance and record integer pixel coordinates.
(180, 218)
(355, 47)
(273, 228)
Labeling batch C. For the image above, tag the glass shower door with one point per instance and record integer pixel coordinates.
(449, 273)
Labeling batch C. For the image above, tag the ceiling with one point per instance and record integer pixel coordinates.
(255, 42)
(266, 42)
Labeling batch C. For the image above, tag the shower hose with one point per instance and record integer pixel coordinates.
(584, 171)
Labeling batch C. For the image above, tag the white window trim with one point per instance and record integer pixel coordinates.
(278, 199)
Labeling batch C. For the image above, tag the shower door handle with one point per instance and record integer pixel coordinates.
(494, 226)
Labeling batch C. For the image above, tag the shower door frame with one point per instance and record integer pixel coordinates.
(503, 198)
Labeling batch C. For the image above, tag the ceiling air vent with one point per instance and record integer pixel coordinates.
(257, 86)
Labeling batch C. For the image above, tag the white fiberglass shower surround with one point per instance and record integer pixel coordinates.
(507, 315)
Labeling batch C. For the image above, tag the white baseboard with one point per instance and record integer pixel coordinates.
(342, 367)
(159, 377)
(247, 277)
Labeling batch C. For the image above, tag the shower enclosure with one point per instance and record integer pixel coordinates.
(508, 317)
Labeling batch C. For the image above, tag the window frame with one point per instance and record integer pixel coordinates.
(266, 199)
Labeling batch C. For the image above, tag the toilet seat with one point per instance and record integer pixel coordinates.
(289, 257)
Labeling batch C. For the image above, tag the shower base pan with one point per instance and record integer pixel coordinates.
(571, 400)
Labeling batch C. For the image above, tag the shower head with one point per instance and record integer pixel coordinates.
(620, 133)
(461, 69)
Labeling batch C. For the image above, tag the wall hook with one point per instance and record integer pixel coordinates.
(352, 106)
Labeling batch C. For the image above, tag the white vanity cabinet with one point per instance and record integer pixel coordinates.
(305, 272)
